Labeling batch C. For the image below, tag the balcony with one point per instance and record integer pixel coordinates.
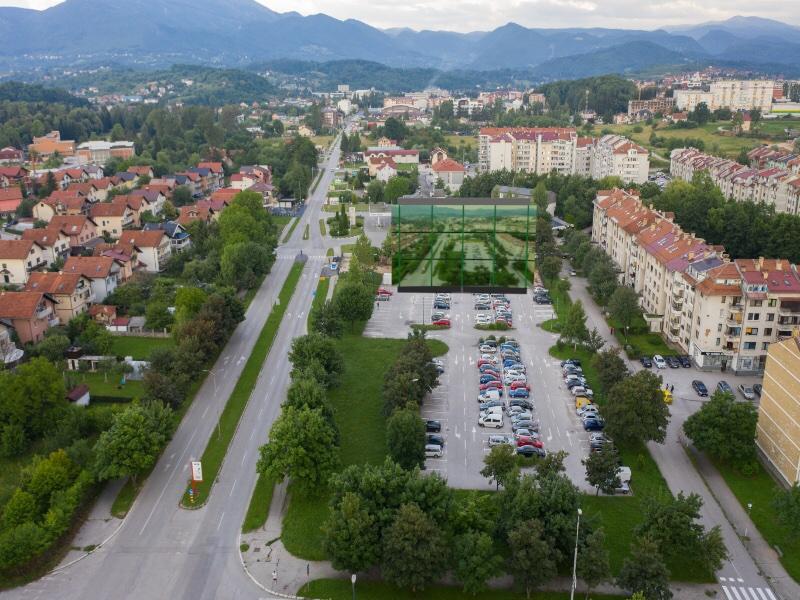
(677, 306)
(44, 313)
(734, 319)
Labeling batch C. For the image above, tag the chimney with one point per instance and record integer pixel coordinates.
(779, 265)
(760, 262)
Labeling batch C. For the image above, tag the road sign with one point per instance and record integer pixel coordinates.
(197, 471)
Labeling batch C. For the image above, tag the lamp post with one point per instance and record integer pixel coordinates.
(353, 581)
(214, 381)
(575, 558)
(747, 523)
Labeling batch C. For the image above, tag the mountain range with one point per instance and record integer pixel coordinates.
(241, 32)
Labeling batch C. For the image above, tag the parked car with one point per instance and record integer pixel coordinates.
(487, 349)
(483, 320)
(491, 420)
(646, 362)
(673, 362)
(499, 440)
(529, 424)
(482, 306)
(433, 451)
(492, 385)
(383, 297)
(582, 391)
(518, 393)
(659, 362)
(483, 407)
(432, 426)
(571, 361)
(525, 440)
(757, 389)
(725, 387)
(595, 423)
(746, 391)
(525, 415)
(515, 385)
(433, 438)
(435, 316)
(529, 451)
(385, 292)
(700, 387)
(442, 323)
(685, 360)
(441, 305)
(487, 378)
(526, 404)
(588, 409)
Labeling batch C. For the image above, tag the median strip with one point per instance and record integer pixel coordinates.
(290, 231)
(221, 437)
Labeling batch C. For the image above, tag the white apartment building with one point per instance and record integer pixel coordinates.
(544, 150)
(687, 100)
(774, 185)
(723, 313)
(742, 94)
(617, 155)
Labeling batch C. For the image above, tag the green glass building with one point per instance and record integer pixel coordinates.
(463, 244)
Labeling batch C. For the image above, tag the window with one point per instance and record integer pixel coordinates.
(751, 331)
(765, 345)
(749, 345)
(768, 331)
(770, 316)
(719, 326)
(753, 316)
(772, 302)
(757, 303)
(716, 342)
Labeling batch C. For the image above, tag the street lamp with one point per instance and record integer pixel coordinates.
(747, 523)
(214, 381)
(353, 581)
(575, 558)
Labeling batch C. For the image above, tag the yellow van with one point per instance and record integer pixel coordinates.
(667, 396)
(581, 401)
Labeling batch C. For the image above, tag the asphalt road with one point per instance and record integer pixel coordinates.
(161, 550)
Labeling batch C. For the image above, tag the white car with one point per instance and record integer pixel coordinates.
(587, 410)
(490, 358)
(579, 390)
(499, 440)
(488, 349)
(433, 451)
(509, 379)
(483, 320)
(659, 362)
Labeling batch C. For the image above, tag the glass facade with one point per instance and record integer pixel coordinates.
(463, 243)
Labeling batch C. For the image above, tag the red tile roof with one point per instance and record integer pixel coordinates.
(16, 249)
(448, 165)
(44, 237)
(143, 239)
(19, 305)
(92, 267)
(53, 283)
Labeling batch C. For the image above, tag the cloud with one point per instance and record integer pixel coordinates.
(482, 15)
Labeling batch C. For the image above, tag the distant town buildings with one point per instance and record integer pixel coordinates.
(50, 144)
(100, 152)
(660, 104)
(734, 94)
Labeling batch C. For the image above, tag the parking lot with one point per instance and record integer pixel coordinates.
(454, 403)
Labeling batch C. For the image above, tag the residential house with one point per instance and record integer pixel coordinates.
(10, 199)
(778, 429)
(102, 271)
(126, 255)
(153, 200)
(71, 291)
(104, 314)
(217, 177)
(178, 236)
(10, 155)
(154, 247)
(142, 171)
(450, 173)
(18, 258)
(47, 145)
(193, 212)
(54, 243)
(80, 228)
(30, 314)
(398, 155)
(615, 155)
(111, 218)
(13, 176)
(383, 168)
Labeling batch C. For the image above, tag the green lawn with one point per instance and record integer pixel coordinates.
(362, 427)
(640, 341)
(322, 140)
(322, 229)
(759, 490)
(306, 233)
(321, 294)
(258, 510)
(101, 384)
(280, 221)
(139, 347)
(125, 497)
(341, 589)
(218, 444)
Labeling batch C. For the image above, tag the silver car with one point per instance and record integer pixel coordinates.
(746, 391)
(499, 440)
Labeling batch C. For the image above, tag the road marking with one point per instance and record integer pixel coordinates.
(203, 416)
(167, 466)
(233, 487)
(220, 520)
(735, 593)
(770, 594)
(243, 457)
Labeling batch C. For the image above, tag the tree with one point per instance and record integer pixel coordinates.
(302, 447)
(242, 264)
(701, 114)
(375, 191)
(354, 301)
(635, 410)
(500, 465)
(20, 508)
(132, 443)
(593, 560)
(188, 302)
(550, 268)
(540, 197)
(317, 348)
(595, 341)
(624, 307)
(326, 319)
(398, 387)
(787, 509)
(351, 539)
(602, 469)
(30, 397)
(181, 196)
(96, 339)
(475, 561)
(396, 186)
(603, 280)
(405, 437)
(531, 562)
(644, 571)
(414, 550)
(157, 315)
(610, 367)
(673, 525)
(574, 330)
(724, 428)
(52, 347)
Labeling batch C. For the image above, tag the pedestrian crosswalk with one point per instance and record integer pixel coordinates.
(735, 589)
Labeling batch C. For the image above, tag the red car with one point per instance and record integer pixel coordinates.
(492, 385)
(442, 323)
(519, 384)
(483, 361)
(384, 291)
(524, 440)
(490, 372)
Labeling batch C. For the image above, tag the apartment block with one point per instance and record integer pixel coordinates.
(775, 185)
(560, 150)
(742, 94)
(687, 100)
(660, 104)
(778, 429)
(723, 313)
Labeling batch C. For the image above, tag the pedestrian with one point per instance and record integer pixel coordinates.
(671, 388)
(612, 331)
(274, 577)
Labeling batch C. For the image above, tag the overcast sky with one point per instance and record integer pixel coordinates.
(472, 15)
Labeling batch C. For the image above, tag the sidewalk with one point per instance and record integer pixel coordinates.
(763, 554)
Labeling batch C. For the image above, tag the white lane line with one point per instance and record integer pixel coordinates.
(220, 520)
(233, 487)
(243, 457)
(203, 416)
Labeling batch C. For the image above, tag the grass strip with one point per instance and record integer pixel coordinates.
(341, 589)
(291, 230)
(306, 234)
(329, 252)
(322, 229)
(258, 510)
(219, 441)
(139, 347)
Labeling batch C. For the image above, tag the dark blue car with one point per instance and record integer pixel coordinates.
(518, 393)
(593, 424)
(488, 378)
